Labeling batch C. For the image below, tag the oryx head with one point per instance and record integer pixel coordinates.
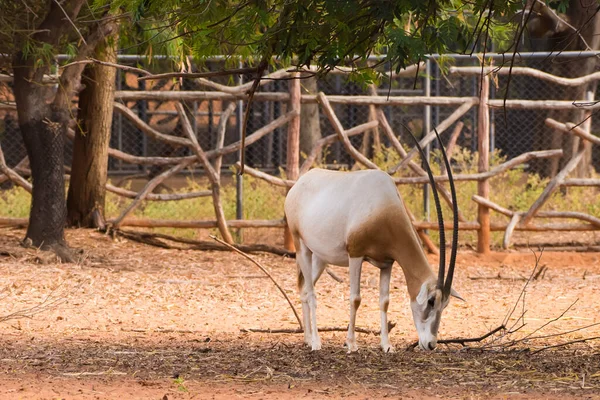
(434, 295)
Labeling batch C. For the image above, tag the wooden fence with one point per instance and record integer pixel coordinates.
(210, 160)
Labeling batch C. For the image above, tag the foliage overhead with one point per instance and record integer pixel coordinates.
(321, 33)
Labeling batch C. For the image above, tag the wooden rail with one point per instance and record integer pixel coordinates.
(211, 160)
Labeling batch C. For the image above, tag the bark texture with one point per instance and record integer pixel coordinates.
(43, 127)
(87, 188)
(310, 128)
(44, 115)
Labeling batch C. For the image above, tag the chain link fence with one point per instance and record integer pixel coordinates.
(513, 131)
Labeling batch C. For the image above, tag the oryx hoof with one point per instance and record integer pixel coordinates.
(388, 348)
(351, 347)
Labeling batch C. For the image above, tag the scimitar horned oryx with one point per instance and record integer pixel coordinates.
(345, 218)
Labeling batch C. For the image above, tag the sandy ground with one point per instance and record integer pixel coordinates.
(133, 321)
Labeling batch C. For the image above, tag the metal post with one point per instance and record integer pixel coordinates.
(269, 112)
(278, 133)
(239, 180)
(436, 117)
(143, 113)
(119, 121)
(492, 122)
(426, 130)
(474, 120)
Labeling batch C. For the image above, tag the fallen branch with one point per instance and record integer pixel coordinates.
(159, 330)
(263, 269)
(566, 344)
(199, 224)
(375, 332)
(530, 335)
(462, 341)
(499, 277)
(152, 239)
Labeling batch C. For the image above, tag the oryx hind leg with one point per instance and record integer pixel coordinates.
(304, 259)
(385, 275)
(355, 266)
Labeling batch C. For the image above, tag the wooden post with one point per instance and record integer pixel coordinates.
(213, 176)
(293, 146)
(585, 168)
(483, 147)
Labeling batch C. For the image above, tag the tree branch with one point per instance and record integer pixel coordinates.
(71, 75)
(194, 75)
(71, 22)
(108, 64)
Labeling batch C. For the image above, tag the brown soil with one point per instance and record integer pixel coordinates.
(132, 321)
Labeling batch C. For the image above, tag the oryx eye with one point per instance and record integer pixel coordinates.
(431, 302)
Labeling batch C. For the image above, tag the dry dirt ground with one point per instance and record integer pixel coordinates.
(133, 321)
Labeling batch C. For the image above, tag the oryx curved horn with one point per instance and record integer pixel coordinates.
(438, 208)
(448, 284)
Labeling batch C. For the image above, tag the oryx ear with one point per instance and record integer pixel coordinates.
(422, 296)
(454, 293)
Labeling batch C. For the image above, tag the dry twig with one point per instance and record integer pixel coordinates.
(263, 269)
(375, 332)
(46, 304)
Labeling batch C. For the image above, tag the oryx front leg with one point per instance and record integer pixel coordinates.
(355, 266)
(309, 300)
(385, 275)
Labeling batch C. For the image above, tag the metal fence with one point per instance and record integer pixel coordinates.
(512, 131)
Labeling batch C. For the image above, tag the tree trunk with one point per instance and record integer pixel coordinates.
(87, 188)
(44, 114)
(43, 128)
(310, 128)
